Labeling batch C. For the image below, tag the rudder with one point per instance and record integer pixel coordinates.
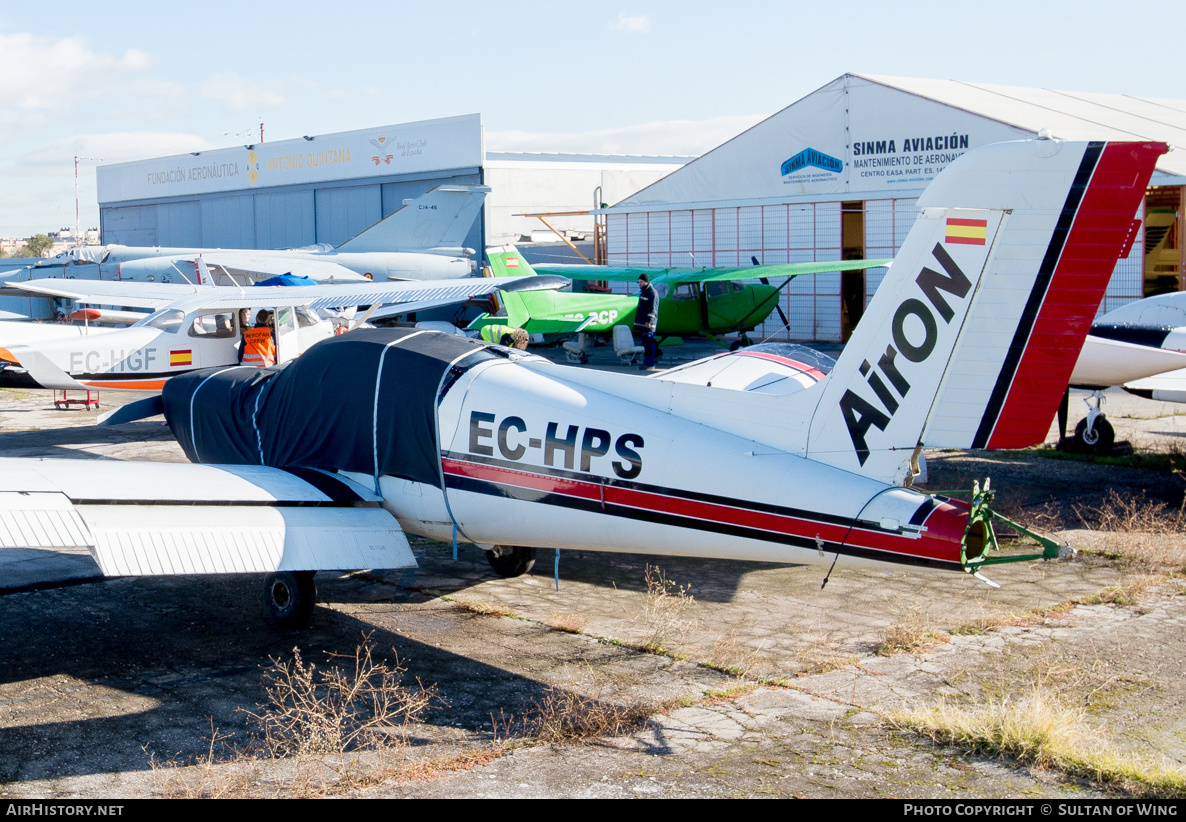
(970, 340)
(439, 219)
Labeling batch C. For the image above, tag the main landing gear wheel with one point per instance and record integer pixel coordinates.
(1098, 438)
(289, 597)
(511, 560)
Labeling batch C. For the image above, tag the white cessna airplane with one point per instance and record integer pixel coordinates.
(198, 326)
(324, 463)
(1140, 346)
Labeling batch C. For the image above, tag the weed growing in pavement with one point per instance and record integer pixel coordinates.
(485, 608)
(354, 703)
(731, 654)
(909, 635)
(665, 615)
(1044, 729)
(569, 623)
(1148, 533)
(200, 778)
(1133, 512)
(573, 712)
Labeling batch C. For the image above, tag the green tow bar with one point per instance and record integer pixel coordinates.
(980, 537)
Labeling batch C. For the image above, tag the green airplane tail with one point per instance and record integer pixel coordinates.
(506, 261)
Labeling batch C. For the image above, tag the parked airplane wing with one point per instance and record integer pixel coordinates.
(675, 276)
(417, 294)
(240, 264)
(163, 518)
(111, 292)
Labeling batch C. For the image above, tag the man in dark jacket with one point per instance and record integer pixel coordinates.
(646, 320)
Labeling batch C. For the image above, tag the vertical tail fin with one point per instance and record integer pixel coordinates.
(970, 339)
(438, 219)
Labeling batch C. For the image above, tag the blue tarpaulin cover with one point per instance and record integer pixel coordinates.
(287, 279)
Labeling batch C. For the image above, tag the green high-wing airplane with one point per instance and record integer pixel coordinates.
(706, 302)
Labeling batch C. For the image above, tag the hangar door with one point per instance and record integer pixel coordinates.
(343, 212)
(1163, 240)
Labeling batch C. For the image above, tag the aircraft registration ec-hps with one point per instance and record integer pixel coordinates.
(968, 343)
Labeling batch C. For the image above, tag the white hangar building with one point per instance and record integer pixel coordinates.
(327, 188)
(836, 175)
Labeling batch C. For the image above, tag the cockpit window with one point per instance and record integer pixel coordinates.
(305, 319)
(686, 291)
(168, 319)
(799, 353)
(219, 325)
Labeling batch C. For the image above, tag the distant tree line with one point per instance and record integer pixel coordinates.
(35, 246)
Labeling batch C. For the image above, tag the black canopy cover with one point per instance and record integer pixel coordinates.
(364, 401)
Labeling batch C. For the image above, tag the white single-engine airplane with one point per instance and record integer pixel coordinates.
(202, 329)
(1140, 346)
(422, 240)
(324, 463)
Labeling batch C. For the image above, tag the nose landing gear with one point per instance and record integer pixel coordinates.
(1093, 434)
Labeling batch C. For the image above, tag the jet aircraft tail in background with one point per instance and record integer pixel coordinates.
(438, 221)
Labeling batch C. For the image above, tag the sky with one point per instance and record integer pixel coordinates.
(128, 80)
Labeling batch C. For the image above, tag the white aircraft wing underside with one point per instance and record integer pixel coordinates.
(140, 519)
(420, 293)
(122, 292)
(1105, 362)
(274, 265)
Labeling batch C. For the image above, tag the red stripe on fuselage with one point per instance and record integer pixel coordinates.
(936, 543)
(1080, 278)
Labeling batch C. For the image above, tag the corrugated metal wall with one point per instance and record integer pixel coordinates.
(730, 237)
(795, 233)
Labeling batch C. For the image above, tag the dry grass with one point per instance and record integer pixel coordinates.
(908, 637)
(581, 708)
(665, 618)
(569, 623)
(201, 778)
(425, 770)
(1043, 729)
(354, 703)
(911, 633)
(731, 654)
(484, 608)
(1147, 533)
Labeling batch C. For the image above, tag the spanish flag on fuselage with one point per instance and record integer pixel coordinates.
(966, 232)
(185, 357)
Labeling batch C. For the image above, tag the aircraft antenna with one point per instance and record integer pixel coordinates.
(828, 575)
(77, 236)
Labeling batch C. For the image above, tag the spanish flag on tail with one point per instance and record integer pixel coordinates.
(966, 232)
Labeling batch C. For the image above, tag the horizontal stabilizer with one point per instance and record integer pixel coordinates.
(140, 519)
(134, 411)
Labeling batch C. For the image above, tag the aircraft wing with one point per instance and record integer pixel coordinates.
(140, 519)
(242, 263)
(675, 276)
(417, 295)
(111, 292)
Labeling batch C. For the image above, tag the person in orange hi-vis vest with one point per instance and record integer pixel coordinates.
(259, 344)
